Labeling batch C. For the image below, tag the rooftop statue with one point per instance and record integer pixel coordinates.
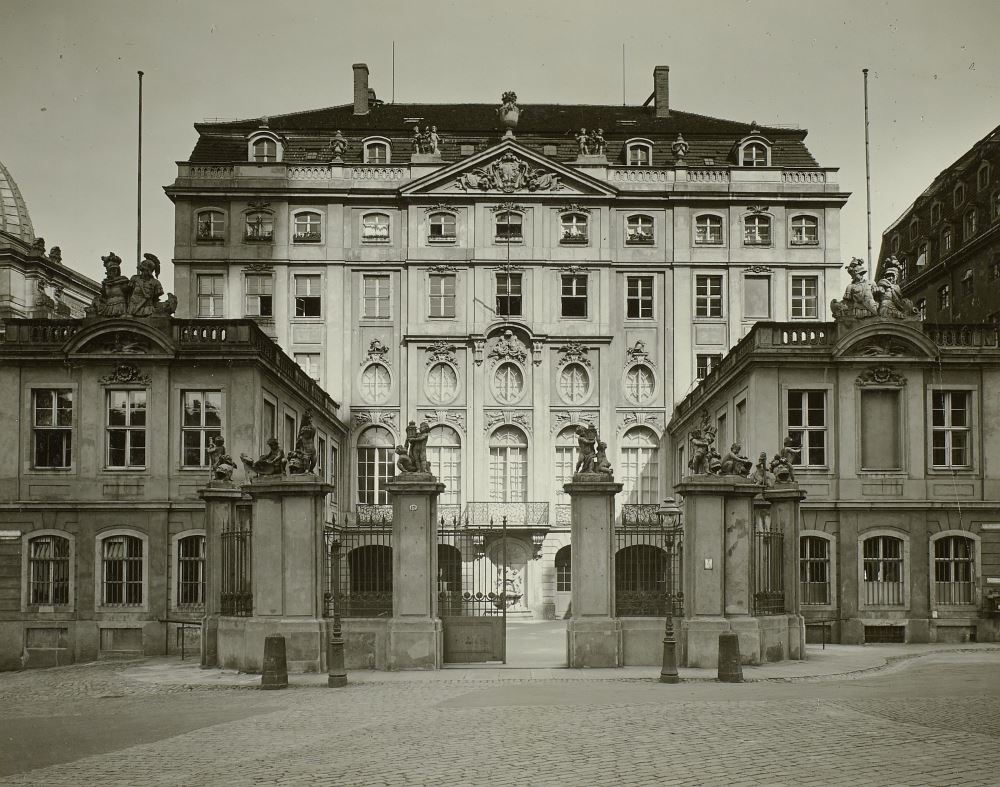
(135, 297)
(413, 453)
(303, 459)
(592, 458)
(782, 463)
(762, 475)
(734, 463)
(338, 144)
(220, 464)
(270, 464)
(864, 300)
(705, 460)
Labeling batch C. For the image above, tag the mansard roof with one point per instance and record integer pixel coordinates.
(308, 133)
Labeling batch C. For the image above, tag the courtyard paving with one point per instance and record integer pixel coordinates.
(893, 716)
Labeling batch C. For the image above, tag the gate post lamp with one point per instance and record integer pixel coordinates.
(336, 673)
(669, 514)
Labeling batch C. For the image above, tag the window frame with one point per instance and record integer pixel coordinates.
(438, 218)
(175, 572)
(127, 428)
(636, 144)
(571, 221)
(958, 194)
(99, 573)
(904, 579)
(709, 301)
(801, 299)
(902, 442)
(265, 219)
(831, 569)
(374, 367)
(631, 238)
(442, 399)
(309, 236)
(264, 137)
(761, 221)
(712, 360)
(574, 297)
(625, 382)
(203, 430)
(442, 296)
(970, 429)
(935, 212)
(371, 142)
(975, 562)
(318, 356)
(378, 297)
(508, 237)
(495, 386)
(247, 295)
(807, 220)
(508, 294)
(706, 240)
(640, 299)
(641, 492)
(981, 181)
(213, 296)
(212, 236)
(375, 240)
(383, 458)
(587, 378)
(308, 279)
(68, 431)
(755, 161)
(27, 565)
(827, 429)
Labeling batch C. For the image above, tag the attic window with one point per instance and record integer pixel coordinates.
(264, 148)
(709, 162)
(754, 154)
(412, 120)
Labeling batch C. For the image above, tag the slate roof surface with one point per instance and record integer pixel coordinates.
(307, 134)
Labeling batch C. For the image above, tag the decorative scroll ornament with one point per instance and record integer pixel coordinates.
(880, 375)
(757, 269)
(883, 300)
(126, 373)
(639, 418)
(442, 416)
(123, 343)
(522, 418)
(758, 209)
(573, 352)
(441, 206)
(258, 267)
(259, 205)
(637, 354)
(573, 269)
(508, 174)
(442, 269)
(478, 348)
(377, 351)
(367, 417)
(508, 347)
(884, 346)
(563, 418)
(507, 206)
(573, 207)
(441, 351)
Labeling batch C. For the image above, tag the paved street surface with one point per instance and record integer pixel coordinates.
(902, 716)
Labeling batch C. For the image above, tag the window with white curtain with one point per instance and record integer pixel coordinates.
(640, 466)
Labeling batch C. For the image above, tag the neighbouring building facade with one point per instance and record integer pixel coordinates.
(506, 274)
(108, 422)
(891, 421)
(949, 240)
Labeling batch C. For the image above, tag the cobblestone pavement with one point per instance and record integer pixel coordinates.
(930, 720)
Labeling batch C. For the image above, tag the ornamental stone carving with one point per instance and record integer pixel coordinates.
(442, 269)
(508, 174)
(270, 464)
(135, 297)
(880, 375)
(368, 417)
(441, 351)
(443, 416)
(680, 148)
(377, 351)
(338, 145)
(573, 352)
(573, 207)
(521, 418)
(883, 300)
(509, 112)
(508, 347)
(125, 373)
(639, 418)
(563, 418)
(507, 206)
(757, 269)
(258, 267)
(637, 354)
(123, 343)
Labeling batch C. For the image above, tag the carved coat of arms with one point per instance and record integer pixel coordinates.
(508, 174)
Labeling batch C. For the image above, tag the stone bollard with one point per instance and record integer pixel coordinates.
(275, 675)
(730, 670)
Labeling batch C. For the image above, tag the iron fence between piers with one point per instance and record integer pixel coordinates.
(649, 571)
(359, 572)
(236, 587)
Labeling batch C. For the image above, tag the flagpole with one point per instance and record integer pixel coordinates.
(868, 172)
(138, 218)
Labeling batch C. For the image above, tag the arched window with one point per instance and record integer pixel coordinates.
(883, 571)
(370, 570)
(639, 384)
(640, 466)
(508, 465)
(377, 151)
(805, 231)
(755, 154)
(307, 227)
(259, 227)
(509, 227)
(444, 452)
(376, 383)
(564, 569)
(375, 465)
(573, 229)
(48, 570)
(122, 571)
(954, 562)
(508, 383)
(211, 225)
(757, 230)
(449, 569)
(574, 383)
(708, 230)
(638, 154)
(565, 462)
(375, 228)
(264, 150)
(190, 571)
(442, 383)
(442, 227)
(639, 230)
(814, 569)
(640, 581)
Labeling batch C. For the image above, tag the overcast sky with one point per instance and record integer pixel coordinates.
(68, 87)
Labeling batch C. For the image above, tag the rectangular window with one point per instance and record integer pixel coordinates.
(375, 303)
(881, 433)
(807, 426)
(756, 297)
(805, 297)
(308, 296)
(125, 429)
(269, 423)
(201, 424)
(191, 571)
(259, 295)
(722, 432)
(814, 570)
(705, 363)
(968, 284)
(290, 432)
(574, 295)
(564, 576)
(211, 289)
(52, 424)
(509, 228)
(708, 296)
(639, 297)
(883, 571)
(121, 564)
(950, 427)
(442, 293)
(509, 294)
(48, 570)
(741, 421)
(309, 363)
(944, 297)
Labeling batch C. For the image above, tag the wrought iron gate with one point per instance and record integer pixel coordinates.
(474, 591)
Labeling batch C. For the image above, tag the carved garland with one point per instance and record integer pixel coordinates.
(758, 209)
(258, 267)
(508, 347)
(639, 418)
(441, 351)
(369, 417)
(573, 352)
(508, 206)
(443, 416)
(377, 352)
(521, 418)
(441, 206)
(757, 269)
(564, 418)
(637, 354)
(442, 269)
(126, 373)
(573, 207)
(574, 269)
(880, 375)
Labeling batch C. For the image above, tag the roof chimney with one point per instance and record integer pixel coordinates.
(661, 91)
(360, 89)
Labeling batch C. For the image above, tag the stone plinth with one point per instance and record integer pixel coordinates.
(288, 571)
(593, 634)
(785, 500)
(220, 499)
(416, 638)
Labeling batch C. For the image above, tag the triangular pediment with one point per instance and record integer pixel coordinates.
(509, 169)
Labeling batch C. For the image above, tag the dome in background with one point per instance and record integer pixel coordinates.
(14, 218)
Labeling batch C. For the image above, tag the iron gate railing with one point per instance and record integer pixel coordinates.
(471, 582)
(767, 569)
(236, 587)
(359, 572)
(649, 571)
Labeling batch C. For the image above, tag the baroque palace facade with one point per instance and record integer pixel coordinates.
(507, 275)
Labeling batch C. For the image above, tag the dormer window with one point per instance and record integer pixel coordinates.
(755, 154)
(573, 229)
(377, 151)
(375, 228)
(265, 148)
(639, 153)
(307, 227)
(639, 231)
(958, 195)
(442, 228)
(757, 230)
(805, 231)
(509, 227)
(259, 227)
(211, 225)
